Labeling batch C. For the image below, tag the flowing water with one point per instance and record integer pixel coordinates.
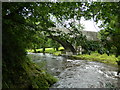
(77, 73)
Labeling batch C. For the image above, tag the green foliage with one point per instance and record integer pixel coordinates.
(18, 34)
(108, 14)
(90, 46)
(54, 44)
(26, 25)
(28, 76)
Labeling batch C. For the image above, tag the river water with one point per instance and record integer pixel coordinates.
(77, 73)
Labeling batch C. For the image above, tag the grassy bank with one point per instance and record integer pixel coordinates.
(48, 50)
(28, 76)
(37, 77)
(104, 58)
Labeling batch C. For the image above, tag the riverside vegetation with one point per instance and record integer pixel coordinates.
(28, 75)
(27, 25)
(94, 56)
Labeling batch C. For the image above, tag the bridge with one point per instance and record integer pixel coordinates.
(89, 34)
(70, 49)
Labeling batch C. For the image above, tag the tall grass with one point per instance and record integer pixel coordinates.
(104, 58)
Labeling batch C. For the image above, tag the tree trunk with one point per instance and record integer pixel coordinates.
(34, 49)
(57, 49)
(43, 50)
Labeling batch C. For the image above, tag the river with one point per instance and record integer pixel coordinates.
(77, 73)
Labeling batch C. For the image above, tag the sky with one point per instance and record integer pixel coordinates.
(90, 25)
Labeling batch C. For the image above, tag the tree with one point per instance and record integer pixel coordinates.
(18, 32)
(54, 44)
(108, 14)
(21, 21)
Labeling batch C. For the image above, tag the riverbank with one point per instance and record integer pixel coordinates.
(69, 72)
(37, 77)
(49, 50)
(104, 58)
(28, 75)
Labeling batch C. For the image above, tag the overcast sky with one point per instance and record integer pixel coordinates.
(89, 25)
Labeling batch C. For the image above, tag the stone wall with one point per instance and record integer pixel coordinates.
(91, 35)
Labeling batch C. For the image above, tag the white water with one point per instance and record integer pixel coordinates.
(77, 73)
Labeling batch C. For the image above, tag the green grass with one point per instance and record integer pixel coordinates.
(104, 58)
(48, 50)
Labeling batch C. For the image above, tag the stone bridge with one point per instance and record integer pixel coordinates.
(89, 35)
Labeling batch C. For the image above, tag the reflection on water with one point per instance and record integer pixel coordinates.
(77, 73)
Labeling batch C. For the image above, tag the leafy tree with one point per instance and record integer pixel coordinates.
(18, 32)
(54, 44)
(21, 21)
(108, 14)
